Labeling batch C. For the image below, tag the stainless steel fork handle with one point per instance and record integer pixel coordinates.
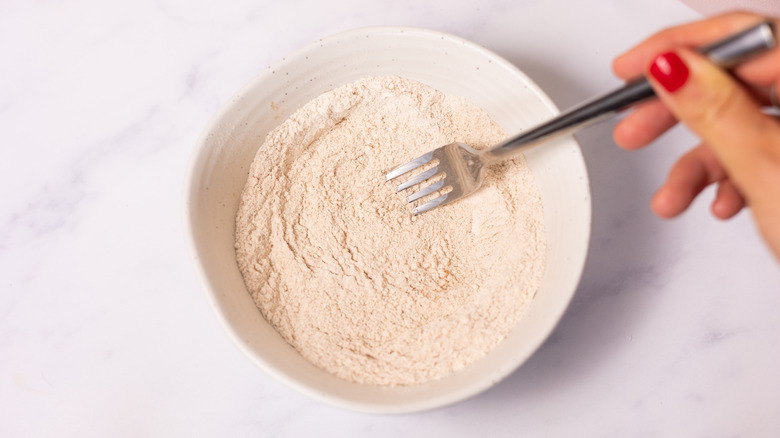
(726, 53)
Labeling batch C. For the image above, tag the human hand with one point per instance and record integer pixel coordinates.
(740, 148)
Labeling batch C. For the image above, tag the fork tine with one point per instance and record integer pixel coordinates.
(414, 164)
(419, 178)
(431, 204)
(426, 191)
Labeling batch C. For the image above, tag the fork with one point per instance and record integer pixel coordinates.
(459, 170)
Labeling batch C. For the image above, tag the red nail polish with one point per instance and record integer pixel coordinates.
(670, 71)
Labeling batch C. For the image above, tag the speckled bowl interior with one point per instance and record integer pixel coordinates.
(229, 143)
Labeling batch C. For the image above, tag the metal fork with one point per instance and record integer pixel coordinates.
(460, 168)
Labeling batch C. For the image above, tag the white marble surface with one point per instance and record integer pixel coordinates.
(104, 330)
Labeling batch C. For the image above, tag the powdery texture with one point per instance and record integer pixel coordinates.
(337, 264)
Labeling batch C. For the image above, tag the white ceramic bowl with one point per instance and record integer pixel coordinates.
(223, 155)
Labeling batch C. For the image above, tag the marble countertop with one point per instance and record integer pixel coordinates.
(105, 331)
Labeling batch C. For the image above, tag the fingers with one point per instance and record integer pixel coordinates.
(643, 125)
(742, 152)
(633, 63)
(647, 122)
(762, 70)
(728, 201)
(759, 72)
(692, 173)
(688, 177)
(722, 113)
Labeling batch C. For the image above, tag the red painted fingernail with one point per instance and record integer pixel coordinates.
(670, 71)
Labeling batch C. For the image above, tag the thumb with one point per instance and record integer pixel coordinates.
(720, 111)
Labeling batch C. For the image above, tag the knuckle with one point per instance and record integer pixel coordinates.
(714, 105)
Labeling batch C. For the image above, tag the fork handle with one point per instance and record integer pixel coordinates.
(725, 53)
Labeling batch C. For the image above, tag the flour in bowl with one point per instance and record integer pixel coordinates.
(338, 265)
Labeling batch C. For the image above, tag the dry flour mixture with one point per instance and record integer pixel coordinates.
(337, 264)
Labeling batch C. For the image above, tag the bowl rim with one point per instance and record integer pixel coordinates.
(188, 189)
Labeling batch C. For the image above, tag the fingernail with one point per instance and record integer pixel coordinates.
(670, 71)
